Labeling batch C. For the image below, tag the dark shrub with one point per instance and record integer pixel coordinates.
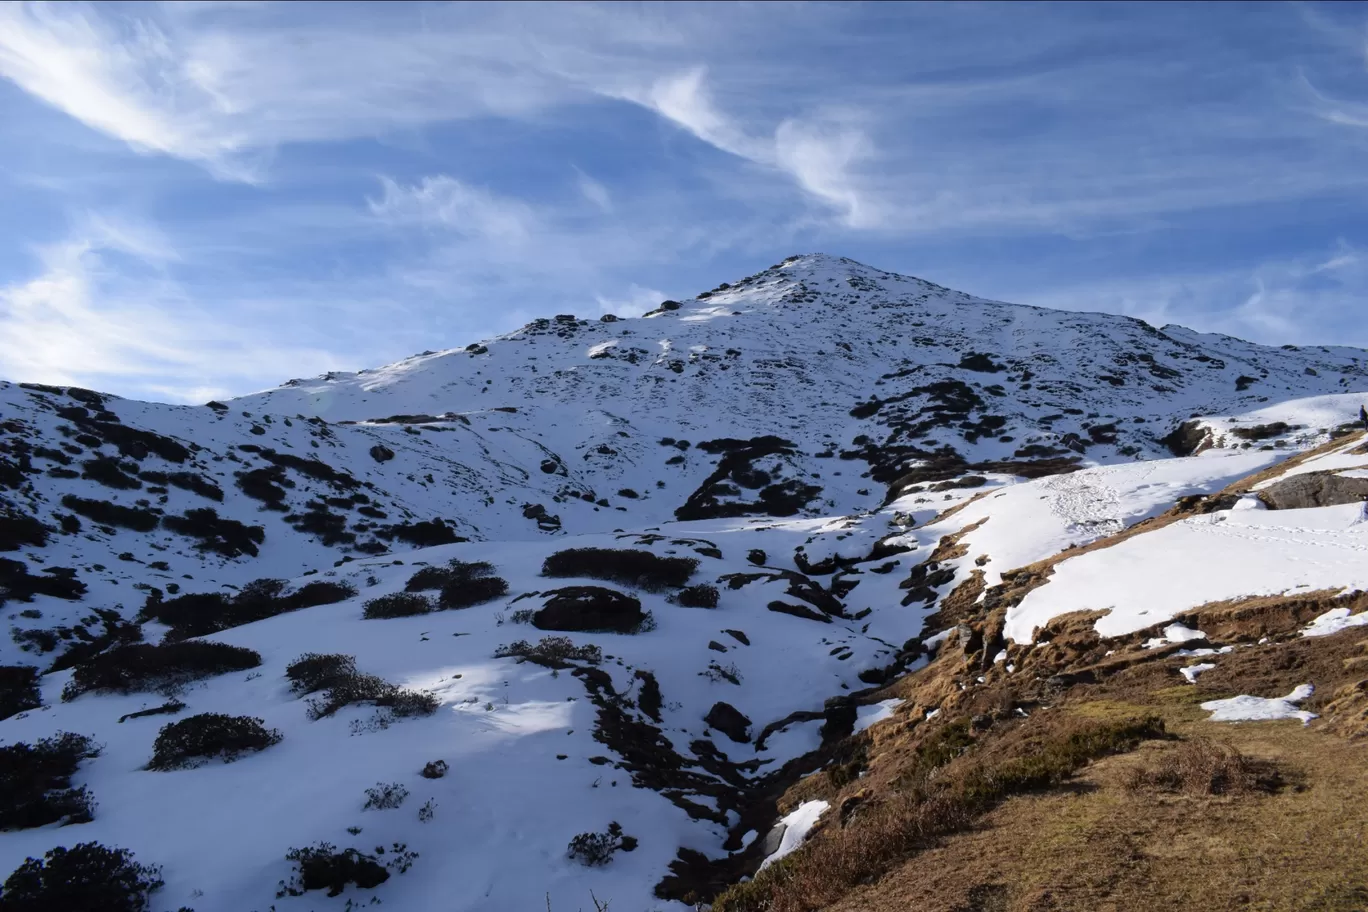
(698, 596)
(197, 739)
(58, 582)
(397, 604)
(386, 796)
(109, 473)
(425, 534)
(455, 571)
(266, 484)
(327, 528)
(200, 613)
(428, 578)
(468, 592)
(434, 769)
(550, 652)
(116, 632)
(648, 696)
(197, 484)
(322, 592)
(343, 685)
(314, 671)
(85, 878)
(590, 608)
(17, 530)
(35, 782)
(627, 566)
(323, 867)
(18, 689)
(462, 584)
(143, 667)
(316, 469)
(107, 514)
(216, 534)
(595, 849)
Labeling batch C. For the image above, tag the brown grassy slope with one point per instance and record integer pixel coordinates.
(1094, 842)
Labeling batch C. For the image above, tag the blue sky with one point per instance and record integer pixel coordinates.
(206, 199)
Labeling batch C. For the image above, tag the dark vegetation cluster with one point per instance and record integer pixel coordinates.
(197, 739)
(35, 782)
(146, 667)
(199, 613)
(87, 877)
(627, 566)
(339, 683)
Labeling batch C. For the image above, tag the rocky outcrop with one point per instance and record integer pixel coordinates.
(1314, 489)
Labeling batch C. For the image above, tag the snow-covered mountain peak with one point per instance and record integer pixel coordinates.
(837, 461)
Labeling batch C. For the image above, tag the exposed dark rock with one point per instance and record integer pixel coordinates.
(589, 608)
(1314, 489)
(729, 721)
(1188, 439)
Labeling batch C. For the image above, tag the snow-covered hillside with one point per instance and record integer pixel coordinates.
(837, 448)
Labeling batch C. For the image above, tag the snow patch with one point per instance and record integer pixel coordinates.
(1334, 621)
(797, 825)
(865, 716)
(1245, 708)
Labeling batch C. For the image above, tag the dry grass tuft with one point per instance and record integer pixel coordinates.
(1206, 767)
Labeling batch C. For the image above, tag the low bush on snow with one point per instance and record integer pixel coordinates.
(195, 740)
(199, 613)
(139, 519)
(386, 796)
(325, 867)
(462, 584)
(342, 685)
(144, 667)
(396, 605)
(697, 596)
(467, 593)
(35, 783)
(628, 566)
(217, 534)
(18, 689)
(314, 671)
(551, 652)
(85, 878)
(596, 849)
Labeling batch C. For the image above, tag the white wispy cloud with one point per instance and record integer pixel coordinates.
(1314, 299)
(594, 191)
(819, 157)
(81, 319)
(450, 203)
(633, 303)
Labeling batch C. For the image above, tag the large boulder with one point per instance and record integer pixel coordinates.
(1314, 489)
(729, 721)
(589, 608)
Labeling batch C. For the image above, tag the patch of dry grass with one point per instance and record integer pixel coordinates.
(943, 800)
(1203, 766)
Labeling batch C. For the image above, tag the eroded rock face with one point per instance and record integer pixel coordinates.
(729, 721)
(1314, 489)
(589, 608)
(1188, 439)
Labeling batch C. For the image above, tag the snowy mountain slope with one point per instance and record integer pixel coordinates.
(840, 449)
